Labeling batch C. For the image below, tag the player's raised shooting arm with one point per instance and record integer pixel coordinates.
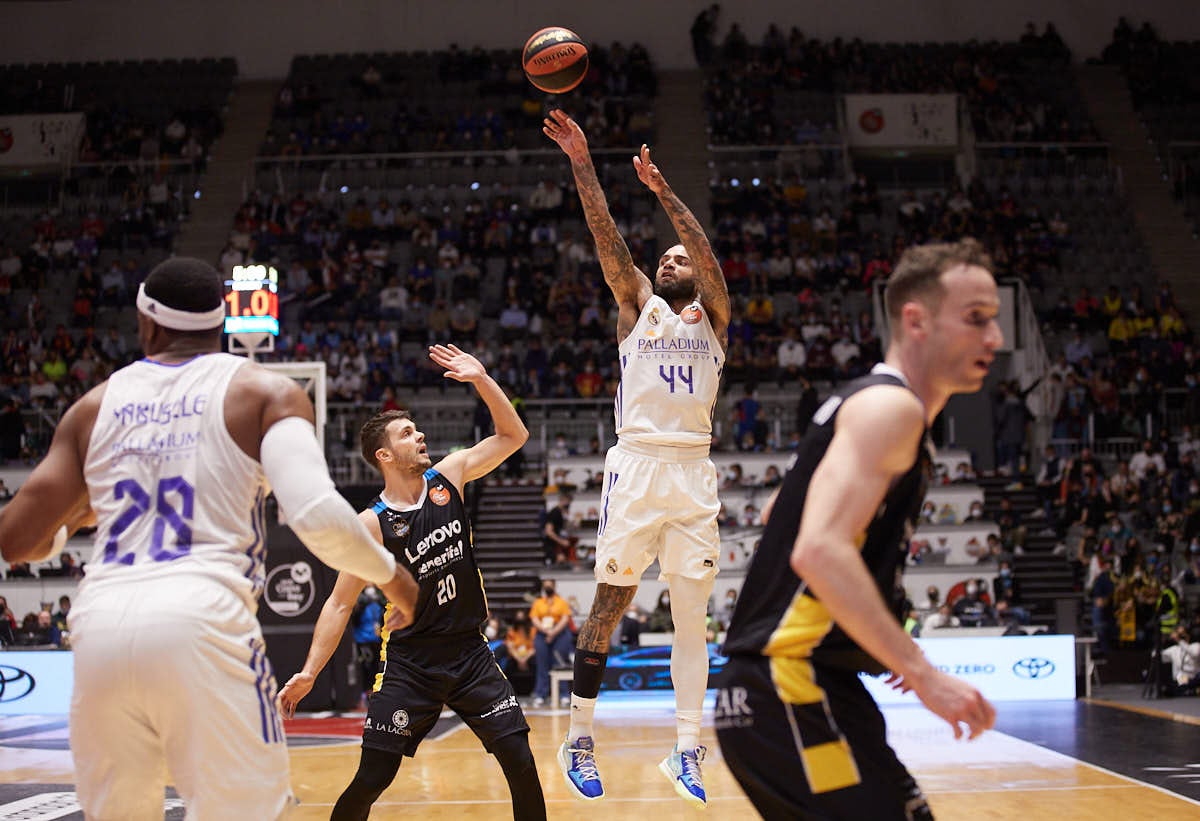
(629, 286)
(714, 293)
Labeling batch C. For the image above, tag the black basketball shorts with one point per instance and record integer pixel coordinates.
(828, 759)
(410, 700)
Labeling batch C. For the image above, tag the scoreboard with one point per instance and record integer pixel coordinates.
(252, 300)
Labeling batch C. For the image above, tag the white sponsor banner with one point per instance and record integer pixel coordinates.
(902, 120)
(40, 139)
(1004, 668)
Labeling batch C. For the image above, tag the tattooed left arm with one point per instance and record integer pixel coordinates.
(714, 293)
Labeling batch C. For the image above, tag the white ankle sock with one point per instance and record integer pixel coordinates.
(582, 710)
(687, 729)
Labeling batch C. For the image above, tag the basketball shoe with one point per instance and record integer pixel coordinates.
(578, 763)
(683, 770)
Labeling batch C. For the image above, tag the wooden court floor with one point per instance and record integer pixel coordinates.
(997, 777)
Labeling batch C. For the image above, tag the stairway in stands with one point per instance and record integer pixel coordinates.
(1175, 253)
(508, 544)
(681, 148)
(229, 171)
(1042, 578)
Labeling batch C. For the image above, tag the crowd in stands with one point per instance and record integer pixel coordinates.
(68, 274)
(48, 368)
(143, 111)
(1131, 530)
(44, 629)
(1014, 91)
(452, 100)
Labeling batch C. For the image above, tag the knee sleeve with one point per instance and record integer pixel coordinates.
(520, 771)
(513, 753)
(376, 771)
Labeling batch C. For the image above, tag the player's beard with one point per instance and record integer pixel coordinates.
(675, 290)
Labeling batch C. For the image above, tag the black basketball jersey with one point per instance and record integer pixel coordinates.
(776, 614)
(433, 540)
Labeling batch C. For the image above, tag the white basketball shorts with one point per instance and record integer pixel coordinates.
(172, 680)
(658, 503)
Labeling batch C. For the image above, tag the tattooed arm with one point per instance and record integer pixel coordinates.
(714, 293)
(630, 286)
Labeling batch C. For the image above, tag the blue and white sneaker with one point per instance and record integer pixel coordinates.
(683, 770)
(578, 764)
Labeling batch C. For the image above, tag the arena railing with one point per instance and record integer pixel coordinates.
(449, 422)
(92, 184)
(1182, 164)
(806, 161)
(1044, 159)
(329, 172)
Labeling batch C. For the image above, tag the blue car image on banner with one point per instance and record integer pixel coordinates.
(649, 668)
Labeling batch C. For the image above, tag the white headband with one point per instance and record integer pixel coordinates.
(176, 319)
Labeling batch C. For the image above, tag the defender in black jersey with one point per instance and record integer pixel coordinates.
(441, 659)
(798, 729)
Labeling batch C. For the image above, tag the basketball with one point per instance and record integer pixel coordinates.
(555, 59)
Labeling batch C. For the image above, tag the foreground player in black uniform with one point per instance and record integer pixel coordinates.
(442, 658)
(797, 727)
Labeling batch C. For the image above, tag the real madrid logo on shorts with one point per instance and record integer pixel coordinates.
(400, 718)
(400, 527)
(653, 319)
(612, 566)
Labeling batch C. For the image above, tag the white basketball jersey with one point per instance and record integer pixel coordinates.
(670, 371)
(171, 490)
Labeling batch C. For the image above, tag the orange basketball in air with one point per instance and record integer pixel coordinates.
(555, 59)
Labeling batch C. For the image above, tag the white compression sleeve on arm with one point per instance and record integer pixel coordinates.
(323, 520)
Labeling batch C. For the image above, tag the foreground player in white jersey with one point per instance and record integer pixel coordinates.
(660, 488)
(175, 455)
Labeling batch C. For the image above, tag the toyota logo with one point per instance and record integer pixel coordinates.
(1033, 668)
(15, 683)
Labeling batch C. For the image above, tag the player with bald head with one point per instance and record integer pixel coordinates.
(660, 488)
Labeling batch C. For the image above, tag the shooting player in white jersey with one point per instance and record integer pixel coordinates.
(172, 458)
(660, 488)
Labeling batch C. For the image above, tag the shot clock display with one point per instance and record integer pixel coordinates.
(252, 300)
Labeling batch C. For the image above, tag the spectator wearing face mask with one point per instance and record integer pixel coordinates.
(551, 616)
(975, 513)
(660, 620)
(972, 610)
(725, 612)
